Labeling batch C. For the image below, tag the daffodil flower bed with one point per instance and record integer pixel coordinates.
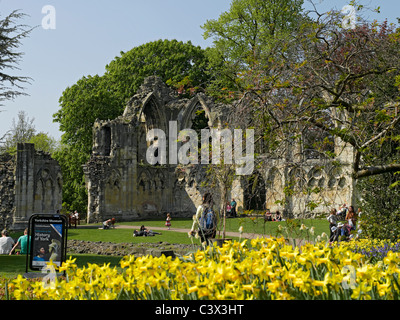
(264, 268)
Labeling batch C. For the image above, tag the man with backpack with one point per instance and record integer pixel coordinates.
(205, 219)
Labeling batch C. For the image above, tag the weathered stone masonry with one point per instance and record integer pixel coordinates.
(7, 196)
(119, 180)
(122, 184)
(30, 183)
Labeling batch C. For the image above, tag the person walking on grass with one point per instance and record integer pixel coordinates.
(205, 220)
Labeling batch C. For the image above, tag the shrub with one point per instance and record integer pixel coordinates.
(380, 206)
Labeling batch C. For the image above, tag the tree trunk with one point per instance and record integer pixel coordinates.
(224, 200)
(374, 170)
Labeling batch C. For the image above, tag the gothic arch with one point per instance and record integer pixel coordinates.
(152, 113)
(255, 192)
(317, 177)
(151, 116)
(297, 179)
(144, 181)
(187, 114)
(159, 180)
(334, 174)
(44, 195)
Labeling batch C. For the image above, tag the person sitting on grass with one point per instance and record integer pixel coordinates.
(268, 215)
(144, 232)
(278, 216)
(351, 217)
(332, 218)
(109, 223)
(6, 242)
(25, 243)
(341, 232)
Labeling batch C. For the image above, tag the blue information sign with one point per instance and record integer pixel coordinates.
(48, 237)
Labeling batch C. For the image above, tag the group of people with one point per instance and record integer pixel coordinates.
(144, 232)
(8, 245)
(342, 230)
(231, 209)
(73, 219)
(268, 216)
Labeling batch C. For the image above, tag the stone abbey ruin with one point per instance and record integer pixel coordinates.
(122, 184)
(30, 182)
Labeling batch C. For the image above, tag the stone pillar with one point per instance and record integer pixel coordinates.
(24, 184)
(237, 192)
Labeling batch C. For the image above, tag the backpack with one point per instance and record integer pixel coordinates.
(208, 219)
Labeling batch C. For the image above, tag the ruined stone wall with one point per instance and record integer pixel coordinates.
(123, 185)
(119, 180)
(324, 184)
(30, 182)
(141, 192)
(7, 185)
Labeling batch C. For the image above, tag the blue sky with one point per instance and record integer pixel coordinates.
(89, 34)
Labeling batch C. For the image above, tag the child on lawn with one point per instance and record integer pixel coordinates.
(168, 221)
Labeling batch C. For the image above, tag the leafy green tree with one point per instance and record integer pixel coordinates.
(80, 105)
(74, 192)
(182, 65)
(44, 142)
(21, 131)
(314, 76)
(380, 218)
(173, 61)
(11, 35)
(24, 131)
(245, 38)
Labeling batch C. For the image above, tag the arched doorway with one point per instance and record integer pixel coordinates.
(255, 192)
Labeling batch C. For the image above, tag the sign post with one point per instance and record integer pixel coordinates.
(47, 235)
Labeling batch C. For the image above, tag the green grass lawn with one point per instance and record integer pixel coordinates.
(11, 266)
(125, 235)
(257, 225)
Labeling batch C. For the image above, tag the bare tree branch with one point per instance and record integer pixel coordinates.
(374, 170)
